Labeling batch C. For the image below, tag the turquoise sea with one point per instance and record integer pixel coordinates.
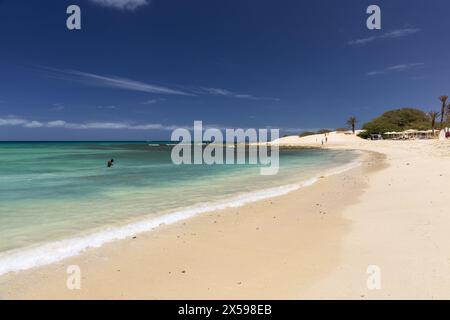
(58, 198)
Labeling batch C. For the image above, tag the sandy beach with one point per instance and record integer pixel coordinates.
(392, 212)
(139, 153)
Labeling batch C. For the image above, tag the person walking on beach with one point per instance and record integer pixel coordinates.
(110, 163)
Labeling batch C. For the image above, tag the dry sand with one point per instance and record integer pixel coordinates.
(317, 242)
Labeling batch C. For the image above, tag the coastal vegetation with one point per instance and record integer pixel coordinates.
(310, 133)
(399, 120)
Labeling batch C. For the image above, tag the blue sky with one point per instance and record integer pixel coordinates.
(139, 68)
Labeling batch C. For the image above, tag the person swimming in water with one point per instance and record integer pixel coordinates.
(110, 163)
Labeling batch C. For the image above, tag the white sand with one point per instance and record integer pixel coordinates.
(401, 223)
(312, 243)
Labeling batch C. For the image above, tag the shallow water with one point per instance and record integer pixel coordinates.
(54, 191)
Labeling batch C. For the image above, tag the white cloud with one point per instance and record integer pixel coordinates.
(230, 94)
(111, 107)
(93, 79)
(12, 121)
(15, 121)
(397, 68)
(374, 73)
(120, 83)
(56, 124)
(121, 4)
(153, 101)
(57, 107)
(387, 35)
(125, 125)
(404, 67)
(227, 93)
(33, 124)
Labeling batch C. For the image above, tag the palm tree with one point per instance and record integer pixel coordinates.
(444, 104)
(433, 117)
(351, 122)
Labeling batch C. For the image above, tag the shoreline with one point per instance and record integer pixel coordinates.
(312, 243)
(14, 279)
(41, 255)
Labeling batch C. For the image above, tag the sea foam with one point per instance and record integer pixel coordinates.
(44, 254)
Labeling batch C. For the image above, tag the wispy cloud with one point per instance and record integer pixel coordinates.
(110, 107)
(25, 123)
(398, 33)
(57, 107)
(115, 82)
(404, 67)
(231, 94)
(227, 93)
(153, 101)
(130, 5)
(111, 81)
(397, 68)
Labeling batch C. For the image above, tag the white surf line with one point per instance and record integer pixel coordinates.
(45, 254)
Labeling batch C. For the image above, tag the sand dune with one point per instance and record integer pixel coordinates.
(333, 139)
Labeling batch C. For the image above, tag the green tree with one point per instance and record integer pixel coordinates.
(398, 120)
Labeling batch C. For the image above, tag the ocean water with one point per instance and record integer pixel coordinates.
(59, 198)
